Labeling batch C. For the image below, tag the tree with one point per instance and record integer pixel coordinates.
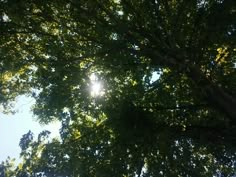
(41, 158)
(183, 119)
(7, 167)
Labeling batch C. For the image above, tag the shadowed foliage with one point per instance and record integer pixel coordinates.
(167, 70)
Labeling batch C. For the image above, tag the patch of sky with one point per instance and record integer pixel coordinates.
(5, 18)
(120, 13)
(13, 126)
(155, 76)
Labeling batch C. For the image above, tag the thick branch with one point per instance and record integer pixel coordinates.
(214, 94)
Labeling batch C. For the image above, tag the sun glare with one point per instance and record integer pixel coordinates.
(96, 86)
(96, 89)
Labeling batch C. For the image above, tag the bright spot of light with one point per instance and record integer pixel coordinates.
(96, 86)
(96, 89)
(5, 18)
(93, 77)
(155, 76)
(120, 13)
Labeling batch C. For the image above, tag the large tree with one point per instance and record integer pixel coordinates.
(167, 68)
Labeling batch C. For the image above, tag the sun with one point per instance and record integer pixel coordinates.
(96, 86)
(96, 89)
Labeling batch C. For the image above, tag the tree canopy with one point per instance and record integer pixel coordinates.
(168, 85)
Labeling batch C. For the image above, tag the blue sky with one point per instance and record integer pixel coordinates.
(12, 127)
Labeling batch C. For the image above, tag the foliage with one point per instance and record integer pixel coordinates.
(181, 124)
(7, 167)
